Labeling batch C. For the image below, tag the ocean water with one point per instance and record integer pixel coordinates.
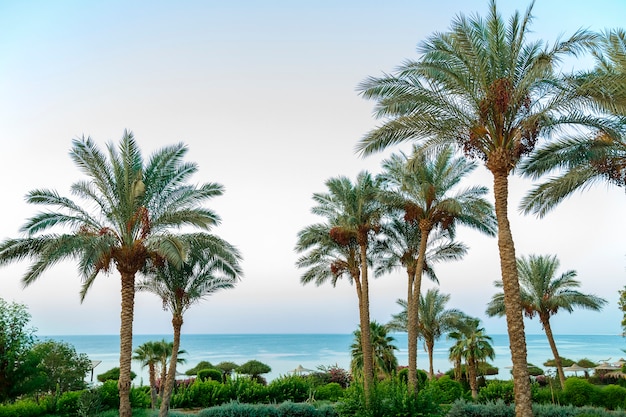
(284, 352)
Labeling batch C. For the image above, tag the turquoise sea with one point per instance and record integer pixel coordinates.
(284, 352)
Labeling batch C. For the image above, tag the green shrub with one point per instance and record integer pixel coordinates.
(67, 404)
(331, 392)
(579, 392)
(200, 366)
(289, 388)
(287, 409)
(203, 394)
(444, 390)
(388, 398)
(22, 408)
(247, 390)
(113, 374)
(109, 395)
(89, 403)
(139, 398)
(497, 390)
(212, 374)
(463, 408)
(612, 397)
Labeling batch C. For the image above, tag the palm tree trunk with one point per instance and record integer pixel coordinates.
(177, 323)
(430, 345)
(412, 324)
(471, 375)
(545, 322)
(126, 342)
(425, 227)
(364, 318)
(512, 300)
(153, 392)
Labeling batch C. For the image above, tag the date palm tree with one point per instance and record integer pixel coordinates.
(544, 294)
(425, 189)
(212, 265)
(385, 361)
(474, 346)
(341, 246)
(149, 354)
(435, 320)
(583, 161)
(132, 213)
(484, 86)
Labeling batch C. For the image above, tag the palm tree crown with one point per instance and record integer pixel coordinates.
(139, 205)
(544, 294)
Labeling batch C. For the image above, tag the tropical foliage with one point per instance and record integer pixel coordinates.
(212, 264)
(139, 208)
(385, 361)
(425, 191)
(544, 294)
(486, 87)
(340, 246)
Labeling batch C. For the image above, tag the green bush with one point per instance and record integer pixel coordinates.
(289, 388)
(210, 373)
(89, 403)
(444, 390)
(22, 408)
(463, 408)
(497, 390)
(330, 392)
(579, 392)
(109, 395)
(250, 391)
(287, 409)
(612, 397)
(113, 374)
(388, 398)
(67, 404)
(203, 394)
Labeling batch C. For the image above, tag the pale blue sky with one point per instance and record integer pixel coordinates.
(264, 95)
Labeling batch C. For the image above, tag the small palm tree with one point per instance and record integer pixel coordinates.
(435, 320)
(139, 209)
(212, 265)
(341, 246)
(474, 346)
(425, 189)
(385, 361)
(544, 294)
(149, 354)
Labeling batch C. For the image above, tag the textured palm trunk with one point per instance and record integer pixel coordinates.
(545, 322)
(412, 324)
(425, 227)
(177, 323)
(472, 377)
(512, 300)
(364, 318)
(430, 345)
(153, 391)
(126, 342)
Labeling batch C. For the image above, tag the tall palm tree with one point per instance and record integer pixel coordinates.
(212, 264)
(166, 351)
(340, 247)
(426, 190)
(544, 294)
(139, 207)
(486, 87)
(149, 354)
(385, 361)
(583, 161)
(473, 345)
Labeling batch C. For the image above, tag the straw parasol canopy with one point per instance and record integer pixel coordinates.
(606, 367)
(574, 368)
(299, 370)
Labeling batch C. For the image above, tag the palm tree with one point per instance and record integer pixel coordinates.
(485, 87)
(435, 320)
(212, 265)
(583, 161)
(166, 351)
(544, 294)
(385, 361)
(139, 209)
(340, 246)
(426, 191)
(149, 354)
(473, 345)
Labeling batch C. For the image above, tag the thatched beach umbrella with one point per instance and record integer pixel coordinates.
(300, 370)
(574, 368)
